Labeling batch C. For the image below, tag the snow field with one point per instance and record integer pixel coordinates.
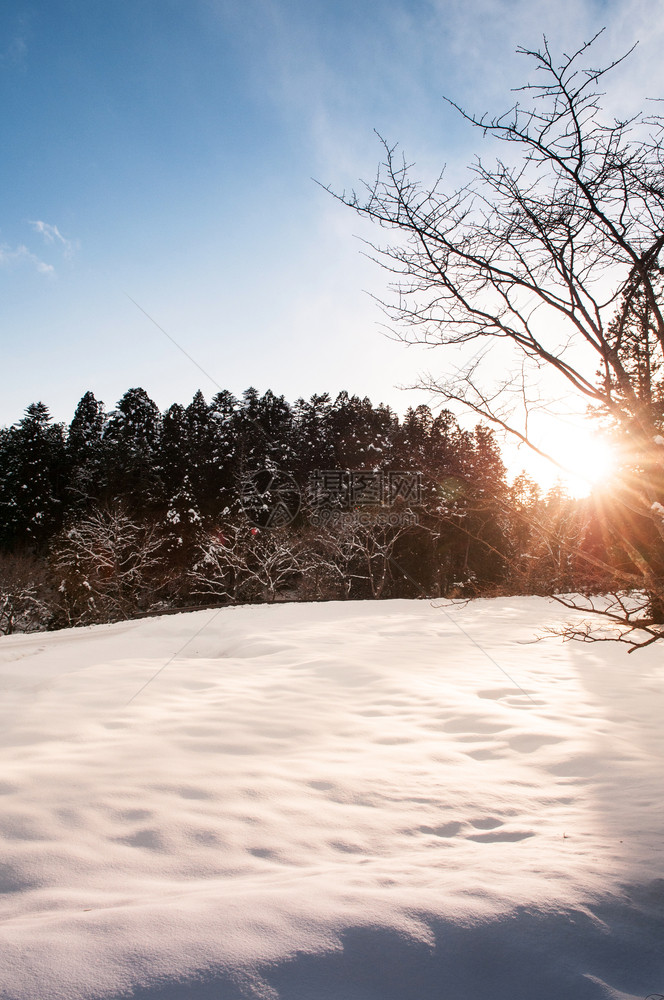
(330, 802)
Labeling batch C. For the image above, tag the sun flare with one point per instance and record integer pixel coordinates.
(590, 459)
(587, 460)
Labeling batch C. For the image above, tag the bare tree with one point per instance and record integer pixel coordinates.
(245, 563)
(553, 253)
(25, 594)
(354, 553)
(108, 568)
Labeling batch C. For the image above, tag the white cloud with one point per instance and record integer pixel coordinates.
(13, 54)
(10, 257)
(52, 235)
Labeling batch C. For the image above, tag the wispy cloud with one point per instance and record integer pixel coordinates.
(12, 257)
(52, 235)
(21, 255)
(14, 50)
(14, 53)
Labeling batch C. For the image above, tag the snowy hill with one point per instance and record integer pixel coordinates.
(368, 801)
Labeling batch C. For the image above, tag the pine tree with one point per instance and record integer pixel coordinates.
(32, 482)
(633, 337)
(204, 474)
(172, 453)
(85, 453)
(182, 533)
(131, 442)
(361, 435)
(226, 452)
(413, 438)
(265, 433)
(315, 448)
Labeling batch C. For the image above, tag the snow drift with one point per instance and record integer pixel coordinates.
(371, 801)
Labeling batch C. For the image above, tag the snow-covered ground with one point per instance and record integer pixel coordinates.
(362, 801)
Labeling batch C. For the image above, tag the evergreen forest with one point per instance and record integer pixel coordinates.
(135, 511)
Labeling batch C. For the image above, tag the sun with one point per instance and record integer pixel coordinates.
(587, 459)
(591, 461)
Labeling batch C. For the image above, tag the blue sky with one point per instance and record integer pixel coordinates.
(165, 150)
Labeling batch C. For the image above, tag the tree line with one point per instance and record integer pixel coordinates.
(137, 511)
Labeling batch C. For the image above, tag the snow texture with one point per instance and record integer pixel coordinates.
(347, 801)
